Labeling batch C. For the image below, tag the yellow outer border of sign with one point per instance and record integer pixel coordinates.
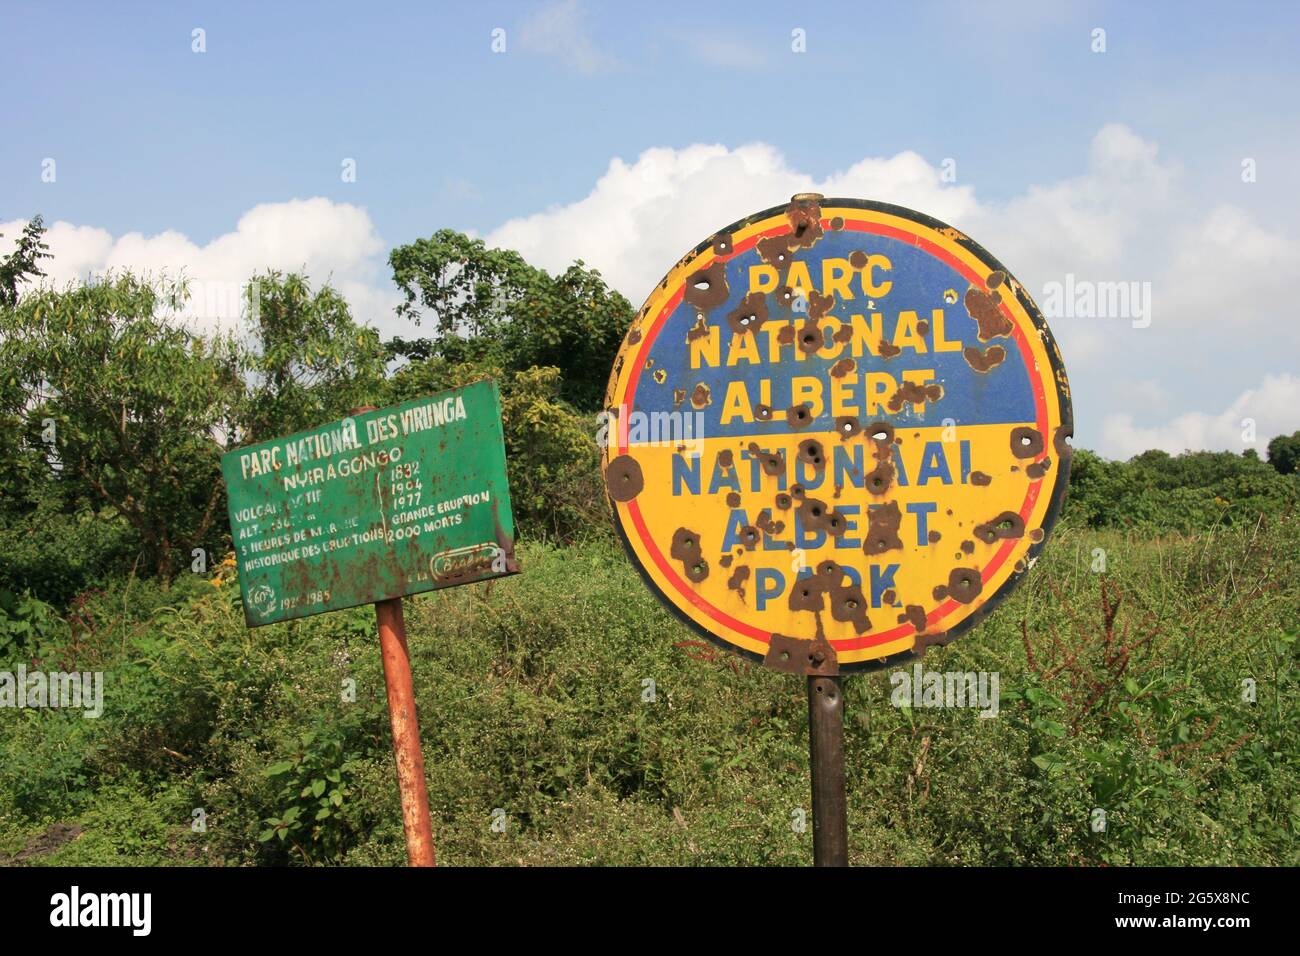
(1028, 319)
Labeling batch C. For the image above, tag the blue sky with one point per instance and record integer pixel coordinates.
(150, 137)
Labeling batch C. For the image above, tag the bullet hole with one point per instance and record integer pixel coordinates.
(722, 244)
(773, 463)
(811, 338)
(964, 586)
(1026, 442)
(701, 397)
(811, 452)
(1006, 525)
(763, 413)
(1037, 535)
(799, 416)
(660, 376)
(783, 501)
(707, 288)
(623, 478)
(686, 549)
(749, 314)
(879, 479)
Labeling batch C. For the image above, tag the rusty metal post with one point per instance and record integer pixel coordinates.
(826, 749)
(411, 785)
(406, 733)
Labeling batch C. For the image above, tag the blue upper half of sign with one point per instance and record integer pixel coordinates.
(919, 284)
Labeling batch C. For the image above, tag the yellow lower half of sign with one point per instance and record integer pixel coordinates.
(867, 540)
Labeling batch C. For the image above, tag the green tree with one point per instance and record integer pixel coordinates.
(23, 263)
(490, 306)
(139, 407)
(1284, 453)
(311, 361)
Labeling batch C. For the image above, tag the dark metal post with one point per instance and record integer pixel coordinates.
(406, 733)
(826, 748)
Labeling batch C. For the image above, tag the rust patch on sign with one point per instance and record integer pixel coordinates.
(1006, 525)
(775, 251)
(749, 314)
(805, 215)
(980, 478)
(794, 655)
(964, 585)
(986, 360)
(733, 499)
(773, 462)
(984, 308)
(738, 578)
(882, 529)
(915, 394)
(913, 614)
(880, 478)
(699, 330)
(814, 515)
(623, 478)
(843, 367)
(727, 458)
(1037, 469)
(707, 288)
(686, 549)
(924, 641)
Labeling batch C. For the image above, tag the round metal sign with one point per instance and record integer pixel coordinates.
(837, 434)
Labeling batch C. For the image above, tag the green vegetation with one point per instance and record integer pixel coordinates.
(1148, 667)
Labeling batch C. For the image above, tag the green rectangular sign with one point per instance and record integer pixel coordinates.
(381, 504)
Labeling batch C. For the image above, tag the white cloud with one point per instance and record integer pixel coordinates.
(1271, 409)
(640, 217)
(561, 30)
(330, 241)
